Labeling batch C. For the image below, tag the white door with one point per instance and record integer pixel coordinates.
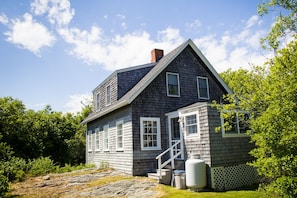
(175, 133)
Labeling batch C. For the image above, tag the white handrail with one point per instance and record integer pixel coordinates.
(171, 159)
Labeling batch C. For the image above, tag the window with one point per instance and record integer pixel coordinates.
(234, 123)
(203, 90)
(108, 95)
(97, 139)
(191, 124)
(97, 102)
(120, 135)
(150, 133)
(89, 135)
(105, 138)
(172, 80)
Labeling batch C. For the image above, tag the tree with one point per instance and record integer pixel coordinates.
(285, 24)
(275, 129)
(270, 95)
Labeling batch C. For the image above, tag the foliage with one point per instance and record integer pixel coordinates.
(32, 134)
(14, 168)
(271, 97)
(4, 185)
(41, 166)
(285, 24)
(276, 127)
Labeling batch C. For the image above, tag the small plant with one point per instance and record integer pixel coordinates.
(104, 164)
(12, 168)
(4, 185)
(41, 166)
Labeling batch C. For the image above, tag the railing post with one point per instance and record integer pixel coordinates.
(159, 167)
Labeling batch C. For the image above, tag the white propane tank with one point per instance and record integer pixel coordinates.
(195, 172)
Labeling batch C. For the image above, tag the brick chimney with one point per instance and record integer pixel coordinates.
(157, 54)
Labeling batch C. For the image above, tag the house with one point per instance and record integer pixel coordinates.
(162, 110)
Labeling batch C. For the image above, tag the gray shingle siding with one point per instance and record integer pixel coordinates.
(113, 82)
(121, 160)
(154, 102)
(127, 79)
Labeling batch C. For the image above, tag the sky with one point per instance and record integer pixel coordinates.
(55, 52)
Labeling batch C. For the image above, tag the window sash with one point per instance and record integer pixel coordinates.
(108, 97)
(105, 138)
(119, 135)
(98, 102)
(89, 134)
(203, 89)
(172, 84)
(191, 124)
(237, 123)
(97, 140)
(150, 133)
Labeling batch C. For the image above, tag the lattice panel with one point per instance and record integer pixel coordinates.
(225, 178)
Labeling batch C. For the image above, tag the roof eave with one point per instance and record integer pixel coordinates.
(106, 111)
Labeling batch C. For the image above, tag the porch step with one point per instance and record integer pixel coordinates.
(166, 176)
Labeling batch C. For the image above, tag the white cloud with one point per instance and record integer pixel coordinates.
(194, 26)
(93, 47)
(77, 101)
(3, 19)
(59, 12)
(124, 25)
(29, 34)
(252, 21)
(234, 49)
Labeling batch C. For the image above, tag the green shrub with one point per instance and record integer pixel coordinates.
(69, 168)
(41, 166)
(4, 185)
(13, 168)
(285, 186)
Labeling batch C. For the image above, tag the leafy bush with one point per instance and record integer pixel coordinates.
(69, 168)
(4, 185)
(41, 166)
(14, 168)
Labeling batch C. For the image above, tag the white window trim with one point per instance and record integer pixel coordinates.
(106, 130)
(106, 96)
(97, 139)
(200, 77)
(158, 147)
(238, 134)
(98, 102)
(89, 139)
(197, 135)
(117, 143)
(178, 85)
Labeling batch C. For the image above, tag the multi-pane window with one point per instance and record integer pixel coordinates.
(191, 124)
(108, 97)
(234, 123)
(97, 140)
(203, 90)
(172, 80)
(89, 135)
(105, 138)
(97, 102)
(150, 133)
(119, 135)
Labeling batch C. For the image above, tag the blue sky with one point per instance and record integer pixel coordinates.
(57, 51)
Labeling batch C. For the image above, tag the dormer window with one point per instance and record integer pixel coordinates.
(172, 80)
(108, 95)
(203, 89)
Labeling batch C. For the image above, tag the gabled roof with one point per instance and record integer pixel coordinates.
(152, 74)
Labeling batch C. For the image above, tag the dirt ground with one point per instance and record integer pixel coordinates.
(86, 183)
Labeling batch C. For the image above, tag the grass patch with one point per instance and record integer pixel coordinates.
(106, 180)
(171, 192)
